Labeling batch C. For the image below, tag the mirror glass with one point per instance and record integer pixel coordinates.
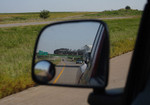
(67, 45)
(44, 71)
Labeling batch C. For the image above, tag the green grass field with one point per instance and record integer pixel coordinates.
(116, 13)
(6, 18)
(17, 44)
(34, 17)
(16, 48)
(122, 35)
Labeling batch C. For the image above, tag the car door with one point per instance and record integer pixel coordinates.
(137, 89)
(95, 67)
(139, 72)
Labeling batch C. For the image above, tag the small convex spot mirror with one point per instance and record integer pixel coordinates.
(44, 71)
(65, 45)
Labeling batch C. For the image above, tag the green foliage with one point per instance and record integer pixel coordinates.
(127, 7)
(18, 18)
(44, 14)
(115, 13)
(59, 16)
(16, 49)
(123, 33)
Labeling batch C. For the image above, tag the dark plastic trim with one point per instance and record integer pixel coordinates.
(108, 97)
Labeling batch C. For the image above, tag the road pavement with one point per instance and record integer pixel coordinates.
(66, 73)
(46, 95)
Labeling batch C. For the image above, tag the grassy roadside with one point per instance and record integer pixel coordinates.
(7, 18)
(115, 13)
(16, 48)
(122, 35)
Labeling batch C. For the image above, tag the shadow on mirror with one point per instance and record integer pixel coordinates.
(72, 48)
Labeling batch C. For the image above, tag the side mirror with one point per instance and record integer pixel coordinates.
(59, 52)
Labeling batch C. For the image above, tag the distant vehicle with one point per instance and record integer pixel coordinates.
(79, 61)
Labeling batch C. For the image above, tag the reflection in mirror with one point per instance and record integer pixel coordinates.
(44, 71)
(68, 46)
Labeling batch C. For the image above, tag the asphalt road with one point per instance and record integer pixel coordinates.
(66, 73)
(46, 95)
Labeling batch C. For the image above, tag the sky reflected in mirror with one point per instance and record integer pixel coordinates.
(70, 35)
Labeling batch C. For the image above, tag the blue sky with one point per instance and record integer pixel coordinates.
(15, 6)
(72, 35)
(43, 65)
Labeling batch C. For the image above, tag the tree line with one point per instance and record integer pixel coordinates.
(66, 51)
